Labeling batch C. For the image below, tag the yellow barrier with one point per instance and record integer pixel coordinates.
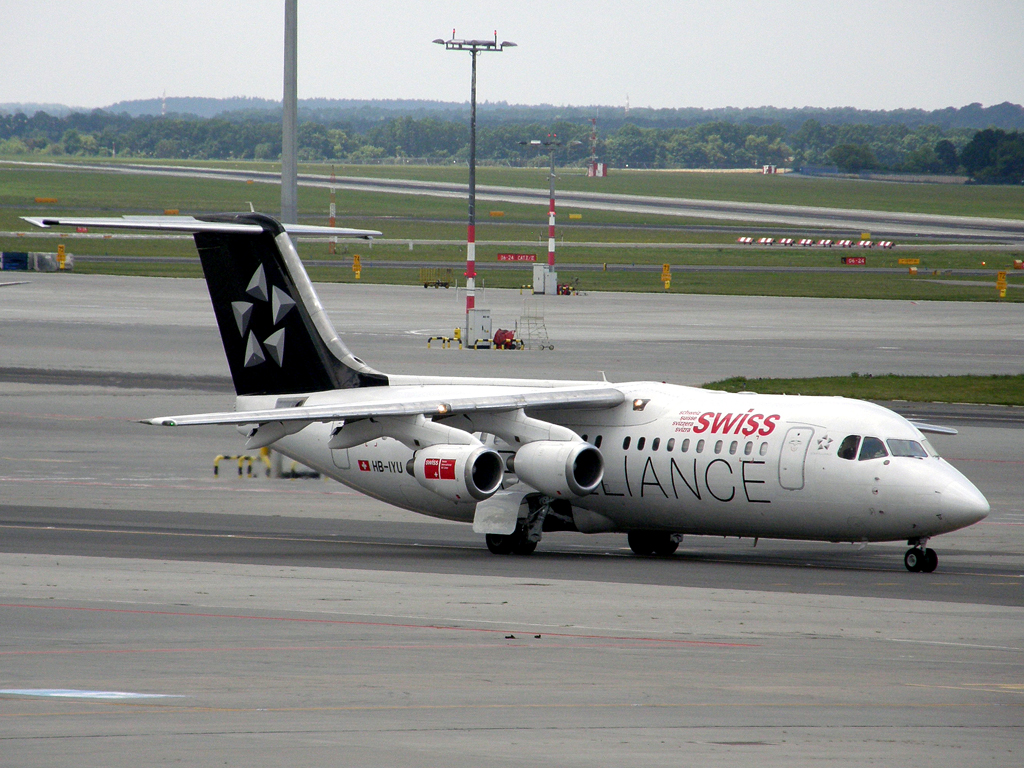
(241, 460)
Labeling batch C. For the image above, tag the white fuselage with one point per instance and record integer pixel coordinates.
(697, 461)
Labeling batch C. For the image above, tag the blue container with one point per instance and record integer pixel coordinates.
(18, 261)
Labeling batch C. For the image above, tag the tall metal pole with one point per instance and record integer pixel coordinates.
(290, 117)
(474, 47)
(551, 212)
(554, 143)
(471, 230)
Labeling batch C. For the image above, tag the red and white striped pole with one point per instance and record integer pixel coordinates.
(551, 214)
(470, 267)
(333, 244)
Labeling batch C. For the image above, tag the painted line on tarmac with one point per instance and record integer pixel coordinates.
(955, 645)
(71, 693)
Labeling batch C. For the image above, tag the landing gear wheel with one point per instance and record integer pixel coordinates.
(931, 561)
(647, 543)
(666, 545)
(524, 547)
(499, 544)
(515, 543)
(641, 542)
(915, 560)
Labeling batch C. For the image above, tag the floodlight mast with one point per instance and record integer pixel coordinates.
(474, 47)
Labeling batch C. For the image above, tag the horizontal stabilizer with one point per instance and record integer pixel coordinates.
(934, 429)
(191, 225)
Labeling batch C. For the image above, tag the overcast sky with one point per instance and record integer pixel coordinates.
(661, 53)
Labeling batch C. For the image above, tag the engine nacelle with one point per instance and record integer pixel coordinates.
(458, 472)
(559, 468)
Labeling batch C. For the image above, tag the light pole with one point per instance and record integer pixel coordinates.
(289, 118)
(474, 47)
(549, 275)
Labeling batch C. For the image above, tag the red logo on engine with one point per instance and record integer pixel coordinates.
(439, 469)
(364, 466)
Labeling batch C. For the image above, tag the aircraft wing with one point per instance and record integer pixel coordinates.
(399, 405)
(190, 225)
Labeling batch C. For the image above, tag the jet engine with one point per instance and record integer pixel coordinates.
(458, 472)
(559, 468)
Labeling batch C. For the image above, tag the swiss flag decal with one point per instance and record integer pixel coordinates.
(364, 466)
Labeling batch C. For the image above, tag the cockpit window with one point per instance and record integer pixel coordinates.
(930, 449)
(848, 448)
(872, 448)
(906, 448)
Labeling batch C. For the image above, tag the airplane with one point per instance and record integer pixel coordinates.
(517, 458)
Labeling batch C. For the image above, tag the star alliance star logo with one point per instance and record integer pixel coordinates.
(280, 305)
(824, 443)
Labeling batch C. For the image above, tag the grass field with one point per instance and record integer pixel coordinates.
(995, 390)
(427, 218)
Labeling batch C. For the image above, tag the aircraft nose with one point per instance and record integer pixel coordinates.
(964, 504)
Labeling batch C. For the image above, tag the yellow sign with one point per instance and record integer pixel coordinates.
(666, 270)
(61, 256)
(356, 262)
(865, 235)
(575, 215)
(909, 262)
(497, 214)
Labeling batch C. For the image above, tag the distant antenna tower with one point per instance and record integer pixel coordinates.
(595, 169)
(593, 140)
(163, 105)
(627, 104)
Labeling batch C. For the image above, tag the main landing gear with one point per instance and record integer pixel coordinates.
(515, 543)
(919, 559)
(646, 543)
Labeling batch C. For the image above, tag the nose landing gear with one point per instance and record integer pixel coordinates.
(918, 559)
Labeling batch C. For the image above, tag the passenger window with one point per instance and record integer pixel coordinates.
(700, 446)
(625, 443)
(764, 449)
(655, 443)
(910, 448)
(685, 446)
(718, 447)
(670, 444)
(597, 442)
(872, 448)
(747, 449)
(848, 448)
(732, 448)
(640, 443)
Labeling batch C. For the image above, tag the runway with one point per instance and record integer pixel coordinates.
(296, 622)
(882, 224)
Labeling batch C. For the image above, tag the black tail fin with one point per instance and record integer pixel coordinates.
(276, 335)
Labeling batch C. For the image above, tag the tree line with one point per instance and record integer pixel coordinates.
(992, 155)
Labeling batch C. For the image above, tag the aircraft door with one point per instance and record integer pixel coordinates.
(791, 461)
